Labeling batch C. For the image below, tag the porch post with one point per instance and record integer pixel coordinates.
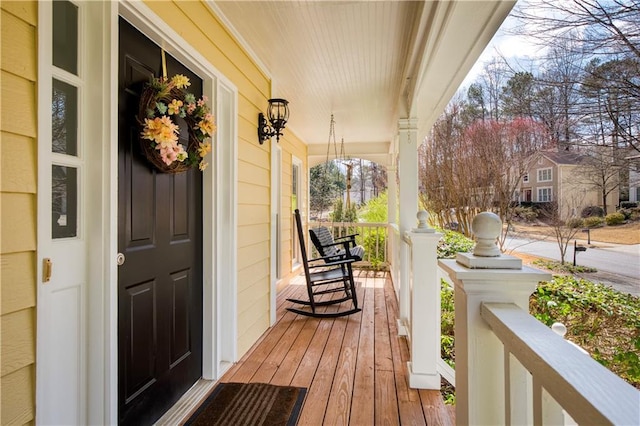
(481, 375)
(392, 194)
(425, 307)
(408, 170)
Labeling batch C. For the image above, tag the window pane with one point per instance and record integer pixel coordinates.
(64, 201)
(64, 118)
(65, 36)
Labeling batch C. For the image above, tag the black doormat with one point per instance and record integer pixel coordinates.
(250, 404)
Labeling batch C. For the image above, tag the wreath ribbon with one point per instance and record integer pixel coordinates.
(164, 64)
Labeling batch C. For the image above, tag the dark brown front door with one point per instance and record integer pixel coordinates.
(160, 236)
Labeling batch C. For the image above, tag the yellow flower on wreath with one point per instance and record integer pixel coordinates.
(180, 81)
(204, 149)
(174, 107)
(161, 130)
(206, 125)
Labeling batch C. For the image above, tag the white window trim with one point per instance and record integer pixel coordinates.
(550, 189)
(296, 262)
(538, 171)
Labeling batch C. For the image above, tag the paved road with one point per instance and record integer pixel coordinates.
(618, 265)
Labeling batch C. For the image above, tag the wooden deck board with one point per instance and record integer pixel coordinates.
(362, 407)
(354, 368)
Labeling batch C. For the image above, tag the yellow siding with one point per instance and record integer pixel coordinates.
(18, 222)
(18, 400)
(18, 38)
(18, 272)
(17, 176)
(199, 26)
(18, 104)
(18, 213)
(18, 340)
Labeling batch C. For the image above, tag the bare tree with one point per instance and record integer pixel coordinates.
(469, 168)
(562, 214)
(603, 27)
(600, 170)
(607, 31)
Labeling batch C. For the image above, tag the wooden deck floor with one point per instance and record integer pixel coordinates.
(354, 368)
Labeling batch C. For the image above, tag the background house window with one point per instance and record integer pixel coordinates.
(544, 195)
(544, 175)
(525, 178)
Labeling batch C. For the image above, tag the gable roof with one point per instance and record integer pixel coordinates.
(563, 157)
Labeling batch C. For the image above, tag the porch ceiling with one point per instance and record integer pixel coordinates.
(367, 62)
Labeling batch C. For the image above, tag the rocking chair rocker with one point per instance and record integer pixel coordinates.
(322, 274)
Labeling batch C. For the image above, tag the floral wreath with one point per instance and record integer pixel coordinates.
(161, 102)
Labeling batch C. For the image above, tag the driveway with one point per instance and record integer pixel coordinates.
(617, 265)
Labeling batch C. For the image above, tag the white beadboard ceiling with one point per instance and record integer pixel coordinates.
(365, 62)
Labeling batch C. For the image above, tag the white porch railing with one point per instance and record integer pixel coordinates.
(562, 379)
(510, 368)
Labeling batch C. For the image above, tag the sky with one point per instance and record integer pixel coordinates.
(513, 47)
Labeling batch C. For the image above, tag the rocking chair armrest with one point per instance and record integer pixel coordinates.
(337, 243)
(344, 237)
(330, 261)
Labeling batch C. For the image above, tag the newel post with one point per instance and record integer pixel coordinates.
(424, 299)
(484, 375)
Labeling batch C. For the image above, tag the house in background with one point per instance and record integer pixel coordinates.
(122, 286)
(559, 176)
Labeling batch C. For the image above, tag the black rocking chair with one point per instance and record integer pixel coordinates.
(322, 275)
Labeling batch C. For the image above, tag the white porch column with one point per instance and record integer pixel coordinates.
(480, 364)
(425, 307)
(392, 195)
(408, 170)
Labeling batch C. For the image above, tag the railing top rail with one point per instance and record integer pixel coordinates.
(589, 392)
(350, 224)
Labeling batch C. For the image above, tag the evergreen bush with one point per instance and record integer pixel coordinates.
(614, 218)
(593, 221)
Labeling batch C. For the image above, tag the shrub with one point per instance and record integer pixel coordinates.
(575, 222)
(592, 211)
(602, 320)
(593, 221)
(630, 213)
(614, 218)
(627, 213)
(628, 204)
(528, 214)
(453, 242)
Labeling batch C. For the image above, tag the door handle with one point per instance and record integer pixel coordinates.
(47, 266)
(120, 259)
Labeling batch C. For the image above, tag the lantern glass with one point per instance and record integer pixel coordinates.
(278, 112)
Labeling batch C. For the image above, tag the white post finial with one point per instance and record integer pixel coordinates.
(486, 226)
(559, 328)
(423, 216)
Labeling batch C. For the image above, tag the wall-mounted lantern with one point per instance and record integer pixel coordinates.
(278, 114)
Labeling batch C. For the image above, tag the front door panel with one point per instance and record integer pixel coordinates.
(160, 236)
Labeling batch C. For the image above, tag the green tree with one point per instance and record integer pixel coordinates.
(326, 184)
(518, 94)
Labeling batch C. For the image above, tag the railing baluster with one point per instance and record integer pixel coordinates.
(517, 391)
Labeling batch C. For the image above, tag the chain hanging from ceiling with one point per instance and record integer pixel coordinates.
(341, 157)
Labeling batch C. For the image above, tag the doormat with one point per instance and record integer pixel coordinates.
(250, 404)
